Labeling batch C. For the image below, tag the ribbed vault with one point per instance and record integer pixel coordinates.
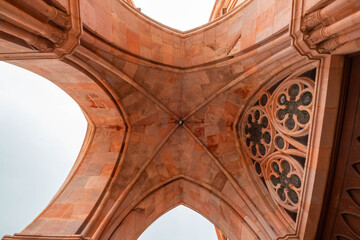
(165, 110)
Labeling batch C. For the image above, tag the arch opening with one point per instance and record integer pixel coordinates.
(181, 15)
(182, 191)
(41, 133)
(179, 223)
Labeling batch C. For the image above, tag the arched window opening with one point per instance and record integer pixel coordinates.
(41, 132)
(178, 224)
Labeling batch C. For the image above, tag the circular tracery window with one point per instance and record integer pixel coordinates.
(270, 133)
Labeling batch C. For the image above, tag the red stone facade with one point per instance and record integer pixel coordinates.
(235, 119)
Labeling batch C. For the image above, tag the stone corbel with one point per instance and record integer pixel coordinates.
(330, 45)
(316, 35)
(74, 33)
(312, 20)
(56, 16)
(34, 40)
(54, 40)
(296, 32)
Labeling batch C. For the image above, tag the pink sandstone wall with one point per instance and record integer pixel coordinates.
(244, 27)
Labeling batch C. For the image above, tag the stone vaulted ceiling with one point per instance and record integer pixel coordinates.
(226, 119)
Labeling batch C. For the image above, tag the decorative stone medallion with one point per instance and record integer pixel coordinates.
(284, 177)
(258, 133)
(291, 106)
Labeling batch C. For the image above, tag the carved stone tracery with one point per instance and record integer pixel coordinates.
(258, 133)
(274, 133)
(114, 55)
(284, 177)
(291, 106)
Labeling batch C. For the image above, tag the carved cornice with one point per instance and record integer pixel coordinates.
(318, 32)
(297, 34)
(53, 39)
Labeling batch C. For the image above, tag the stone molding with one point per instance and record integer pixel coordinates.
(150, 118)
(325, 28)
(48, 40)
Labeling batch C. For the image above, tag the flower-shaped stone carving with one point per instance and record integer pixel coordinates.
(257, 133)
(284, 177)
(292, 104)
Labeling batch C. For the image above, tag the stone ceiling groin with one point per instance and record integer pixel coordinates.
(221, 118)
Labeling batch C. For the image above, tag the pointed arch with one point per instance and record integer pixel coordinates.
(191, 193)
(87, 182)
(180, 223)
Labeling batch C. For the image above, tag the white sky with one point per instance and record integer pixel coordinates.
(42, 130)
(181, 223)
(179, 14)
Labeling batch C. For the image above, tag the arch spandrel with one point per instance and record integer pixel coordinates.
(188, 193)
(174, 161)
(157, 100)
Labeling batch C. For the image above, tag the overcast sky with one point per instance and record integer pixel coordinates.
(42, 130)
(179, 14)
